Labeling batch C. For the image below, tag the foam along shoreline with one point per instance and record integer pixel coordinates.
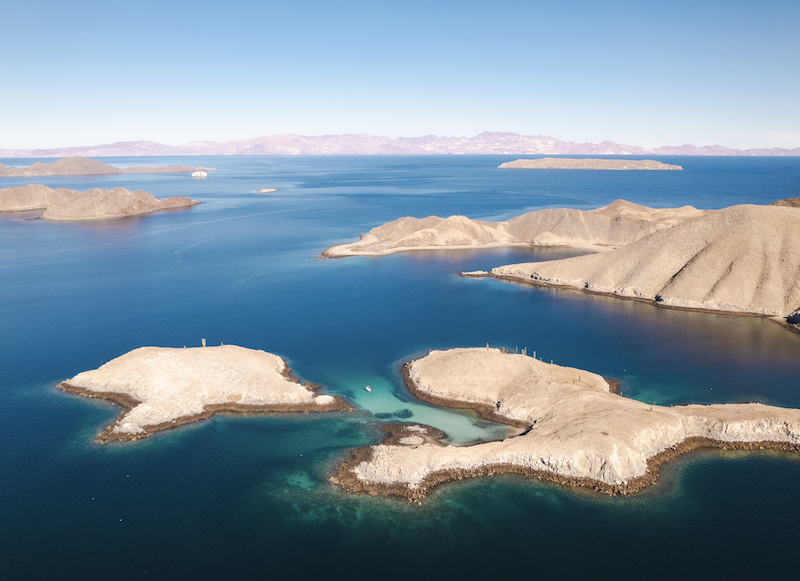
(588, 164)
(160, 388)
(611, 226)
(63, 204)
(578, 432)
(742, 259)
(85, 166)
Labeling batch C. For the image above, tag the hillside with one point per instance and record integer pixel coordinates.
(743, 259)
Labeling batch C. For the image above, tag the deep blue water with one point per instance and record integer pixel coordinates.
(247, 496)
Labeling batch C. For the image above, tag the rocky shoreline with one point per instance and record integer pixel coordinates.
(599, 422)
(348, 480)
(128, 402)
(660, 304)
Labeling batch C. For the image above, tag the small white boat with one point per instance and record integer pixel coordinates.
(368, 388)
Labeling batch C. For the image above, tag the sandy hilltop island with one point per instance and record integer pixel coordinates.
(614, 225)
(84, 166)
(161, 388)
(743, 259)
(95, 204)
(570, 163)
(576, 431)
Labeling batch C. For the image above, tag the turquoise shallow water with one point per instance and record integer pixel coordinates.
(247, 496)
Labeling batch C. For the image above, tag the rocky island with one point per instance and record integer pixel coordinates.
(84, 166)
(599, 164)
(576, 431)
(95, 204)
(617, 224)
(743, 259)
(161, 388)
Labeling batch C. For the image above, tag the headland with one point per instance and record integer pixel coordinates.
(96, 204)
(741, 259)
(611, 226)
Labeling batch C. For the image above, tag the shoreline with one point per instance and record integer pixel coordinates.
(521, 281)
(120, 216)
(128, 402)
(344, 254)
(347, 479)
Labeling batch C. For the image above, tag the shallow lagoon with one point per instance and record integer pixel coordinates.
(247, 495)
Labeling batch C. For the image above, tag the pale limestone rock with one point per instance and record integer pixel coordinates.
(617, 224)
(95, 204)
(741, 259)
(173, 385)
(578, 428)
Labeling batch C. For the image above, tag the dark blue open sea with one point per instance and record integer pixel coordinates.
(247, 497)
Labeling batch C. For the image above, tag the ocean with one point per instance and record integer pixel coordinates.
(247, 496)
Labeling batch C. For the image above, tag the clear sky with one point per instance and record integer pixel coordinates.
(637, 72)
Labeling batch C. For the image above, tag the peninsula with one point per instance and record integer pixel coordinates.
(69, 166)
(573, 163)
(576, 431)
(617, 224)
(161, 388)
(743, 259)
(95, 204)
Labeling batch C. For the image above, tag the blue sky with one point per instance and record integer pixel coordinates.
(636, 72)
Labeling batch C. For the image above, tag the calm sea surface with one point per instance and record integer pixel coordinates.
(247, 496)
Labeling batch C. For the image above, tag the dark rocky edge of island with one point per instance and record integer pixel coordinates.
(183, 386)
(616, 449)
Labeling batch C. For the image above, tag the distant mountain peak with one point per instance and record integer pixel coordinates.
(488, 142)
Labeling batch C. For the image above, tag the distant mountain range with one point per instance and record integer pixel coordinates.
(364, 144)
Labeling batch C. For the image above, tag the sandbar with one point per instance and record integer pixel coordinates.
(577, 431)
(160, 388)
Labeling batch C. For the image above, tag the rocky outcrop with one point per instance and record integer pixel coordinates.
(161, 388)
(619, 223)
(578, 432)
(609, 164)
(95, 204)
(788, 202)
(83, 166)
(740, 259)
